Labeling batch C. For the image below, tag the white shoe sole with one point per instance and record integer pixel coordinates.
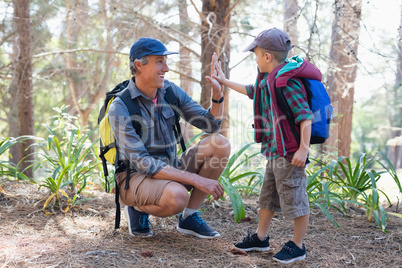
(291, 260)
(189, 232)
(255, 249)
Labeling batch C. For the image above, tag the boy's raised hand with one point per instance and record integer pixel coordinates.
(212, 79)
(218, 73)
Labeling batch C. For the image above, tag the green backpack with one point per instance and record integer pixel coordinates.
(108, 146)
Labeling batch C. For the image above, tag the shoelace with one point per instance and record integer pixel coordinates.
(197, 218)
(144, 221)
(248, 238)
(288, 248)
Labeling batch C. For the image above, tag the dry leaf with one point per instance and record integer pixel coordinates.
(147, 253)
(238, 251)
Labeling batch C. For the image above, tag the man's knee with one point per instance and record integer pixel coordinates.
(220, 145)
(174, 198)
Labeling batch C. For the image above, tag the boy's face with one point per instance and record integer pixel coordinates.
(263, 60)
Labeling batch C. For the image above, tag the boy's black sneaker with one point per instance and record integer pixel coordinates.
(194, 225)
(252, 242)
(138, 222)
(290, 253)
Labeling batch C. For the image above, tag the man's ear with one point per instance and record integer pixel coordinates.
(138, 65)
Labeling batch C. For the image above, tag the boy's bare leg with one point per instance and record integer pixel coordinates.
(264, 223)
(300, 229)
(213, 152)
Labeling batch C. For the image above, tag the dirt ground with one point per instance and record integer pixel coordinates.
(85, 237)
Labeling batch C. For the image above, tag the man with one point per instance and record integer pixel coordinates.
(159, 182)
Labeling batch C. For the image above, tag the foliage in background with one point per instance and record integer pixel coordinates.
(69, 157)
(369, 129)
(231, 181)
(344, 182)
(7, 168)
(320, 193)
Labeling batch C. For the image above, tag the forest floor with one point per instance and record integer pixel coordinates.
(85, 237)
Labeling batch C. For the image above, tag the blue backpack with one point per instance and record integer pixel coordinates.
(320, 105)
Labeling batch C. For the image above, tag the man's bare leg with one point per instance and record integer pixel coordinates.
(213, 153)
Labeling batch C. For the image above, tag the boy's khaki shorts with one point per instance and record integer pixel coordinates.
(284, 189)
(144, 190)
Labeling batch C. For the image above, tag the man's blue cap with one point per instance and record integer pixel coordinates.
(148, 46)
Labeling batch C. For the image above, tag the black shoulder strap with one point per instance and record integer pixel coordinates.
(171, 99)
(133, 109)
(285, 108)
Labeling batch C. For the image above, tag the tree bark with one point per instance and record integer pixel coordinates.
(342, 71)
(82, 84)
(13, 124)
(215, 38)
(395, 149)
(185, 66)
(24, 81)
(291, 10)
(398, 78)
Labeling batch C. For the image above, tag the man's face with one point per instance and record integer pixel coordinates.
(153, 73)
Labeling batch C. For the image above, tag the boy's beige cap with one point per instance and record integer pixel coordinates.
(271, 39)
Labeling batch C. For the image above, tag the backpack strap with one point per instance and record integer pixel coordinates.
(285, 108)
(133, 109)
(171, 99)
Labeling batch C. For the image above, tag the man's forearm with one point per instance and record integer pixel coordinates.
(206, 185)
(217, 108)
(173, 174)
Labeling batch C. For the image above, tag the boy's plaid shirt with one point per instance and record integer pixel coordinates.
(297, 101)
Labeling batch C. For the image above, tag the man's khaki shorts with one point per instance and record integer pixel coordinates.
(285, 189)
(144, 190)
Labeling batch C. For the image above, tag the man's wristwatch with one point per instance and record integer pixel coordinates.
(218, 101)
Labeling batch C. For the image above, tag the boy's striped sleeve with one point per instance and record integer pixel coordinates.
(297, 100)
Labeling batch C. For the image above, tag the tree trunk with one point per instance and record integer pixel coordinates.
(75, 20)
(13, 124)
(215, 38)
(395, 149)
(291, 10)
(398, 79)
(87, 82)
(342, 71)
(185, 69)
(398, 84)
(24, 81)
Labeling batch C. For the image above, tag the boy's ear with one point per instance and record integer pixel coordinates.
(268, 57)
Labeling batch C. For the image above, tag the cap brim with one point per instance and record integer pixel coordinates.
(250, 47)
(169, 53)
(163, 53)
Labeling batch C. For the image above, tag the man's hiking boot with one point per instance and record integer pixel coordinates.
(194, 225)
(290, 253)
(138, 222)
(252, 242)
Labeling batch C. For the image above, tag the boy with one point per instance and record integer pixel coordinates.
(285, 181)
